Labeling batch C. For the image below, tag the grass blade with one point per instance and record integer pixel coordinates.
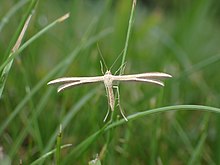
(27, 43)
(59, 67)
(11, 12)
(49, 154)
(58, 147)
(78, 150)
(6, 68)
(128, 36)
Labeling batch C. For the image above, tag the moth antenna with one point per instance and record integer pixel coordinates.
(121, 67)
(117, 59)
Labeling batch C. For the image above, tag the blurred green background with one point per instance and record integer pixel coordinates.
(177, 37)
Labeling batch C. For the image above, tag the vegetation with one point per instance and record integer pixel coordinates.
(177, 124)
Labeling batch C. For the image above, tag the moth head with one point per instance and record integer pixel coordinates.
(108, 72)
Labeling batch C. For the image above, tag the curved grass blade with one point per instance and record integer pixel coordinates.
(78, 150)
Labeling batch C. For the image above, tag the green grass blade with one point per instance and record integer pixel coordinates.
(27, 43)
(81, 148)
(197, 152)
(59, 67)
(201, 65)
(217, 146)
(58, 146)
(128, 35)
(11, 12)
(68, 117)
(50, 153)
(72, 112)
(183, 136)
(16, 44)
(28, 13)
(78, 150)
(178, 42)
(165, 109)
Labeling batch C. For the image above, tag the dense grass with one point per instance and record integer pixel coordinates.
(177, 124)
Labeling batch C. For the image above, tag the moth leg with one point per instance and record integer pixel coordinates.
(106, 116)
(101, 67)
(121, 110)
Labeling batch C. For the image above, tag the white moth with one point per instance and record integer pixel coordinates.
(109, 79)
